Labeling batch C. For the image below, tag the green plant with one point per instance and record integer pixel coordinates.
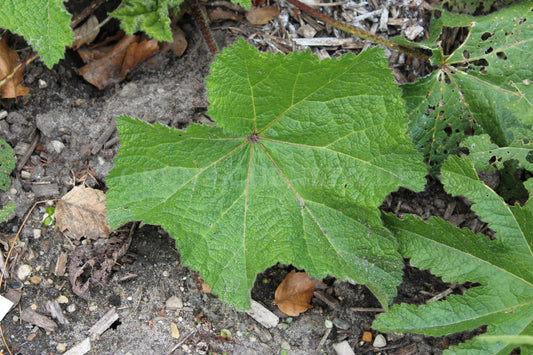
(503, 267)
(304, 153)
(7, 164)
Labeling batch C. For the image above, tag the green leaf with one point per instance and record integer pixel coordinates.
(149, 16)
(7, 164)
(45, 24)
(484, 86)
(304, 154)
(470, 6)
(7, 211)
(503, 267)
(508, 339)
(486, 155)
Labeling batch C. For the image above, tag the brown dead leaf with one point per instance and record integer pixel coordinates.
(218, 14)
(82, 212)
(115, 64)
(9, 59)
(262, 15)
(86, 33)
(178, 45)
(295, 292)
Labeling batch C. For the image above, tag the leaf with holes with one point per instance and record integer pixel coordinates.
(304, 153)
(503, 268)
(483, 86)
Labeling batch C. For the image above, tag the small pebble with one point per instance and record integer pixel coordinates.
(166, 273)
(93, 307)
(62, 299)
(25, 174)
(23, 272)
(379, 341)
(42, 84)
(174, 303)
(71, 308)
(37, 233)
(36, 279)
(61, 347)
(328, 324)
(341, 323)
(58, 146)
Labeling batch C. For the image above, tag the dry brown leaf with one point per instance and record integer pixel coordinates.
(178, 45)
(115, 64)
(86, 33)
(262, 15)
(218, 14)
(9, 59)
(295, 292)
(82, 212)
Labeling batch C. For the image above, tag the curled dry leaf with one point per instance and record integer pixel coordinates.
(262, 15)
(86, 33)
(9, 59)
(295, 292)
(82, 212)
(113, 66)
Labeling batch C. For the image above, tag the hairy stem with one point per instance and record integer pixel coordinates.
(360, 33)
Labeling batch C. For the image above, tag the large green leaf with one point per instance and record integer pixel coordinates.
(503, 267)
(484, 86)
(45, 24)
(306, 152)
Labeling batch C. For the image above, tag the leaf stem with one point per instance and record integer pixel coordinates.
(358, 32)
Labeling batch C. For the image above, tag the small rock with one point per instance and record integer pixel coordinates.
(62, 299)
(285, 345)
(379, 341)
(174, 303)
(174, 331)
(412, 32)
(26, 175)
(58, 146)
(36, 233)
(341, 323)
(36, 279)
(42, 85)
(23, 272)
(61, 348)
(343, 348)
(165, 273)
(71, 308)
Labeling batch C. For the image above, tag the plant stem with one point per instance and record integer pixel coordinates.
(360, 33)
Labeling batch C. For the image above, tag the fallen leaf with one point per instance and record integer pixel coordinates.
(86, 33)
(174, 331)
(262, 15)
(9, 59)
(178, 44)
(115, 64)
(217, 14)
(82, 212)
(295, 292)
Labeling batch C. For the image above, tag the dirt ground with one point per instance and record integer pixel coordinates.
(65, 117)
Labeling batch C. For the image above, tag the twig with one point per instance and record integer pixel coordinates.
(86, 13)
(5, 342)
(182, 341)
(358, 32)
(30, 150)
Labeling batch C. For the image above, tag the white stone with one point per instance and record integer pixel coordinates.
(343, 348)
(379, 341)
(23, 272)
(37, 233)
(174, 303)
(57, 145)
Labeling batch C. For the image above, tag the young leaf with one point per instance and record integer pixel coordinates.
(149, 16)
(308, 151)
(483, 86)
(45, 24)
(503, 267)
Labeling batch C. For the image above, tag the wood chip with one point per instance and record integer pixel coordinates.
(81, 348)
(56, 312)
(37, 319)
(61, 264)
(103, 324)
(262, 315)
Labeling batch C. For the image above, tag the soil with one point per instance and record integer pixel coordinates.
(67, 117)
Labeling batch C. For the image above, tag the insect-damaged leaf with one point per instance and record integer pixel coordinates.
(304, 153)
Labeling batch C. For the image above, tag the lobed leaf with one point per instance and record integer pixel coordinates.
(304, 154)
(483, 86)
(45, 24)
(503, 267)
